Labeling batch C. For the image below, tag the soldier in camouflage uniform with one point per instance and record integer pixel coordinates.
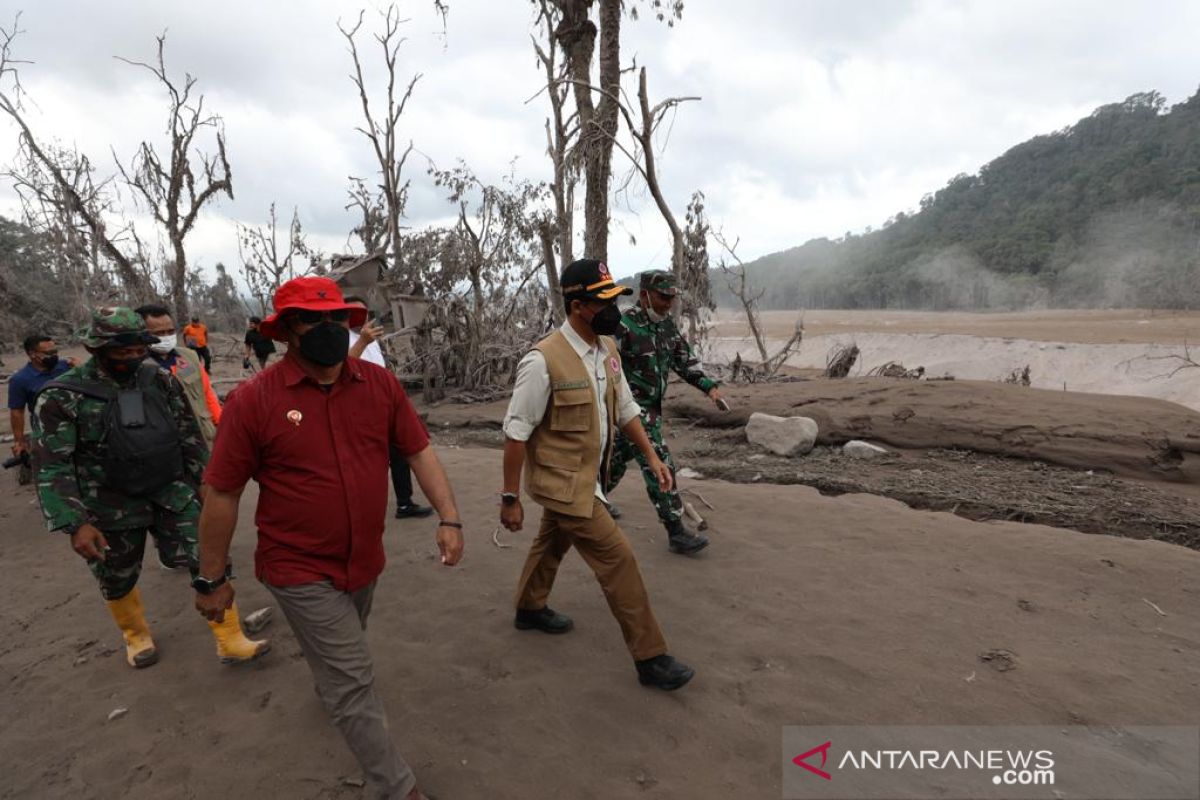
(651, 347)
(108, 525)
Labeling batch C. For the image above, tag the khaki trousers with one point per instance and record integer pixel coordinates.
(331, 628)
(606, 550)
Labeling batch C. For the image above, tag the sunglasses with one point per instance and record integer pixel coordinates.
(308, 317)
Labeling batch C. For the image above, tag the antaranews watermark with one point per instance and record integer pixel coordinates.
(991, 763)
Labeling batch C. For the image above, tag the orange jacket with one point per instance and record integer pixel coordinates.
(210, 397)
(199, 332)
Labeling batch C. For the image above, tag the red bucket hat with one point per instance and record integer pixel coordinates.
(309, 294)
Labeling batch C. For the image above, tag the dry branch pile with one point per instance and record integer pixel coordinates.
(841, 360)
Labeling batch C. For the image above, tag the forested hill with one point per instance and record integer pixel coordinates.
(1103, 213)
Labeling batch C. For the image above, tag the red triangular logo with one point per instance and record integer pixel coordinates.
(801, 760)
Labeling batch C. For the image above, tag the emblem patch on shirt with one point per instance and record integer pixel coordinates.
(616, 365)
(294, 417)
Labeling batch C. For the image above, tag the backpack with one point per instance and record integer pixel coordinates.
(140, 433)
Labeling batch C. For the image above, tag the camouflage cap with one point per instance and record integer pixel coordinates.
(659, 280)
(117, 326)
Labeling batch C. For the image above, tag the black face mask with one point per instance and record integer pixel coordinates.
(607, 321)
(49, 361)
(326, 344)
(121, 368)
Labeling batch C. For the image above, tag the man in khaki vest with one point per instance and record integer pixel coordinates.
(197, 387)
(569, 400)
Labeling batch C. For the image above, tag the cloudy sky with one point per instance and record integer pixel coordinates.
(818, 116)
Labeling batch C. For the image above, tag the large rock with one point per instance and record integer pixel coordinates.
(784, 436)
(860, 449)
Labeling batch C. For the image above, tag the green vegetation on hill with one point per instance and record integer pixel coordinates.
(1103, 213)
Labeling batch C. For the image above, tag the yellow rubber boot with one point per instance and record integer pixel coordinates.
(131, 619)
(232, 645)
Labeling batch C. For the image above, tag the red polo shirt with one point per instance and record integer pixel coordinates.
(321, 461)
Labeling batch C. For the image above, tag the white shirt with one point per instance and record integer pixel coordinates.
(371, 352)
(531, 393)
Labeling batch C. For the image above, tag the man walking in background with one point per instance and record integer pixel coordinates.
(119, 455)
(652, 346)
(200, 396)
(195, 336)
(261, 346)
(23, 387)
(314, 432)
(364, 344)
(568, 402)
(197, 385)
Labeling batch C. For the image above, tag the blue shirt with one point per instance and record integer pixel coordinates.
(24, 385)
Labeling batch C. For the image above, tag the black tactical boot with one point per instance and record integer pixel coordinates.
(681, 540)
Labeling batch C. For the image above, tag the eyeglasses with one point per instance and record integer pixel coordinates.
(309, 317)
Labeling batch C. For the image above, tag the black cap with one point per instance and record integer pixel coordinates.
(589, 278)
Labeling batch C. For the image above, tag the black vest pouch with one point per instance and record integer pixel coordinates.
(131, 407)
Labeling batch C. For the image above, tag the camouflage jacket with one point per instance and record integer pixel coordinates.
(649, 351)
(69, 451)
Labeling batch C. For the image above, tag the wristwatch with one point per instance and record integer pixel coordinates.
(71, 527)
(509, 498)
(204, 586)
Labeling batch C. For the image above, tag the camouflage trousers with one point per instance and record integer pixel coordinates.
(174, 532)
(669, 505)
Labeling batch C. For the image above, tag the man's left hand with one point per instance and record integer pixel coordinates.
(372, 331)
(450, 543)
(213, 606)
(663, 473)
(714, 394)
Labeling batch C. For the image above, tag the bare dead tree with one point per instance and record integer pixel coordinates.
(265, 265)
(57, 187)
(645, 162)
(1180, 362)
(695, 283)
(172, 188)
(492, 238)
(546, 230)
(735, 278)
(372, 229)
(561, 132)
(383, 131)
(598, 122)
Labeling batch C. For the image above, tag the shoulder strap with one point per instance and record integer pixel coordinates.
(147, 374)
(94, 390)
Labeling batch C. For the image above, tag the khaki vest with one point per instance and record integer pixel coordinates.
(563, 458)
(187, 372)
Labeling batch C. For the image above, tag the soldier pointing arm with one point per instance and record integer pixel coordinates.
(652, 346)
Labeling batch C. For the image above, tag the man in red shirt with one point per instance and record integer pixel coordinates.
(314, 431)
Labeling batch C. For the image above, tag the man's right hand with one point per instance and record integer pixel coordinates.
(89, 542)
(512, 517)
(20, 447)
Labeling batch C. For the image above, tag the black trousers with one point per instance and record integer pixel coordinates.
(206, 357)
(401, 478)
